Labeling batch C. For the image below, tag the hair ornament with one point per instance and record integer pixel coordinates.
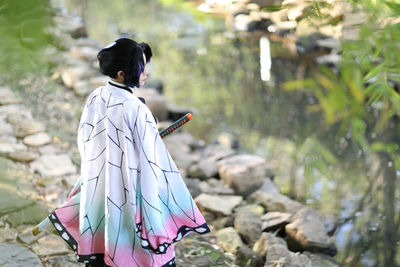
(110, 45)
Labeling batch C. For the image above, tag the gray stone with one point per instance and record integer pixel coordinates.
(228, 140)
(218, 204)
(193, 186)
(265, 241)
(320, 260)
(84, 52)
(7, 235)
(217, 152)
(71, 24)
(275, 202)
(30, 215)
(98, 81)
(180, 150)
(253, 208)
(12, 183)
(53, 165)
(27, 127)
(50, 245)
(26, 236)
(51, 149)
(215, 186)
(156, 102)
(7, 97)
(7, 148)
(228, 239)
(5, 128)
(307, 232)
(13, 255)
(269, 187)
(71, 75)
(243, 173)
(22, 156)
(38, 139)
(204, 169)
(248, 225)
(63, 261)
(246, 257)
(275, 220)
(279, 255)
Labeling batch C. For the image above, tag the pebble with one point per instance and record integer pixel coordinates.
(38, 139)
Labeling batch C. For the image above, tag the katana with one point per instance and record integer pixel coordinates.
(173, 127)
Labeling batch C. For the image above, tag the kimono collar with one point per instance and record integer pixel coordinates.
(120, 85)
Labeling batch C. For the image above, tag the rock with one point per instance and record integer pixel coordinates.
(248, 225)
(178, 146)
(228, 239)
(275, 202)
(27, 127)
(193, 186)
(223, 222)
(71, 24)
(329, 59)
(71, 75)
(228, 140)
(307, 232)
(63, 261)
(98, 81)
(320, 260)
(16, 255)
(38, 139)
(22, 156)
(217, 152)
(157, 103)
(12, 182)
(50, 245)
(214, 186)
(68, 181)
(26, 236)
(8, 148)
(243, 173)
(269, 187)
(330, 42)
(266, 241)
(7, 235)
(246, 257)
(218, 204)
(82, 88)
(204, 169)
(53, 165)
(175, 112)
(30, 215)
(253, 208)
(87, 53)
(275, 220)
(279, 255)
(7, 97)
(51, 149)
(5, 128)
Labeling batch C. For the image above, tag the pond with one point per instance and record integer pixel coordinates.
(203, 64)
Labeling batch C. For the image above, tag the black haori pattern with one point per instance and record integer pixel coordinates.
(182, 232)
(89, 258)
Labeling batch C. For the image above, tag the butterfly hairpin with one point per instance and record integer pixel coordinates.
(114, 43)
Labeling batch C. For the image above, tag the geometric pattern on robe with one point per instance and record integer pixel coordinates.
(130, 204)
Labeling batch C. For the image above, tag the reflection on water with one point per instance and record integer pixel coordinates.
(218, 72)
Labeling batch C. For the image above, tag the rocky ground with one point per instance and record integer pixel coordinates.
(252, 223)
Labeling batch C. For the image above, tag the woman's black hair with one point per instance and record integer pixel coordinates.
(126, 55)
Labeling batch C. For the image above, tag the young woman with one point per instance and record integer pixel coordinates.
(130, 204)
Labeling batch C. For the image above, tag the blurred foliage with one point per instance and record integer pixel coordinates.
(25, 34)
(360, 101)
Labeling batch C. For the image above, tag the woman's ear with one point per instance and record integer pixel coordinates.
(120, 76)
